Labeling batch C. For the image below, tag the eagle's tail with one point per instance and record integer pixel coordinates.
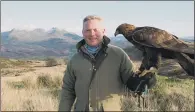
(190, 55)
(186, 63)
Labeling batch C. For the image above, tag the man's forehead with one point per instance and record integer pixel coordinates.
(93, 23)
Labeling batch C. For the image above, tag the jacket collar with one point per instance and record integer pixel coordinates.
(106, 41)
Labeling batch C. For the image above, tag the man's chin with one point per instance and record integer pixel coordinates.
(93, 43)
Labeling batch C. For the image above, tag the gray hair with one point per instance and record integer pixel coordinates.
(92, 17)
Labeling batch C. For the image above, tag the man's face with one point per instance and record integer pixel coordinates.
(93, 32)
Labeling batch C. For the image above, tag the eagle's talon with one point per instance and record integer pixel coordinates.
(153, 69)
(144, 73)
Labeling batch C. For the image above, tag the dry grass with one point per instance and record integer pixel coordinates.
(6, 63)
(170, 94)
(39, 89)
(27, 100)
(48, 82)
(31, 94)
(15, 72)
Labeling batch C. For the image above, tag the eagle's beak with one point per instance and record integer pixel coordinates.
(116, 33)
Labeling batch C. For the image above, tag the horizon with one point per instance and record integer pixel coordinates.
(47, 30)
(68, 15)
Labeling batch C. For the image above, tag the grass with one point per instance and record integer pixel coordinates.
(28, 100)
(41, 92)
(47, 81)
(170, 94)
(5, 63)
(31, 94)
(16, 72)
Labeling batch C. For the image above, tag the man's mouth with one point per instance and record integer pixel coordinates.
(92, 39)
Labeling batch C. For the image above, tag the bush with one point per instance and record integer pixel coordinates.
(57, 82)
(49, 82)
(51, 62)
(44, 81)
(66, 60)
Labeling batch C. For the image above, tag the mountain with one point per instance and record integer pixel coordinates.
(41, 43)
(188, 38)
(37, 43)
(37, 34)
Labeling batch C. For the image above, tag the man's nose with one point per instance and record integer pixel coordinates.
(92, 32)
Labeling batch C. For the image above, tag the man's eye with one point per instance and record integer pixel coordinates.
(95, 30)
(89, 30)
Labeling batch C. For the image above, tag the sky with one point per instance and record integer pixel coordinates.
(176, 17)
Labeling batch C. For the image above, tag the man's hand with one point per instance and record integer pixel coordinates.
(137, 83)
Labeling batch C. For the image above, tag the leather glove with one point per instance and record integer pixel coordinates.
(137, 84)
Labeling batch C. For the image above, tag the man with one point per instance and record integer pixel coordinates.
(97, 74)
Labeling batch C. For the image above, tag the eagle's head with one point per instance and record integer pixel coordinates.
(124, 29)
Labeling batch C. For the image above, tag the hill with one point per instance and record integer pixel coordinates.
(38, 87)
(38, 43)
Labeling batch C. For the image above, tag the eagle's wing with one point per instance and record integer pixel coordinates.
(156, 38)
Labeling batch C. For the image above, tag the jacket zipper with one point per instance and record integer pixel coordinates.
(93, 61)
(92, 76)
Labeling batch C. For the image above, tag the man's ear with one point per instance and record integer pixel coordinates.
(82, 31)
(104, 31)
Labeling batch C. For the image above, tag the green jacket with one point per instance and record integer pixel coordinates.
(112, 67)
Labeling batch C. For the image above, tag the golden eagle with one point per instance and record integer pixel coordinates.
(156, 43)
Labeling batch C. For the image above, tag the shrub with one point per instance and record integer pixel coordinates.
(49, 82)
(57, 82)
(65, 61)
(44, 81)
(51, 62)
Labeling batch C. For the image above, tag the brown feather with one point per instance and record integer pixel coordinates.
(153, 37)
(154, 43)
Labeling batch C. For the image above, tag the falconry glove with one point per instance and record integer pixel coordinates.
(137, 84)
